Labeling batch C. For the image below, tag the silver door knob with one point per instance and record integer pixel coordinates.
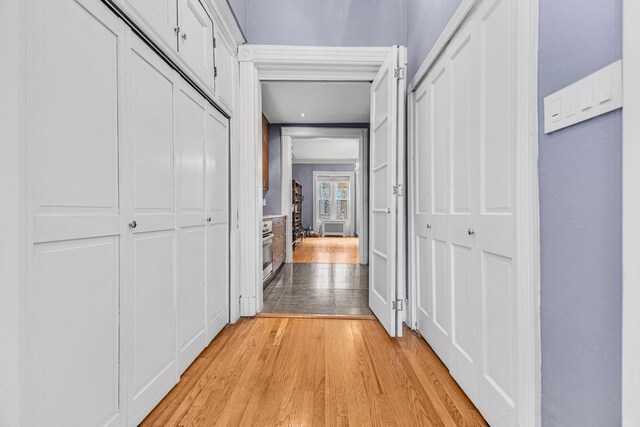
(471, 232)
(388, 210)
(209, 219)
(184, 36)
(133, 224)
(428, 226)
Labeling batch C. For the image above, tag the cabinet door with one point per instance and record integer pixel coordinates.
(190, 157)
(226, 69)
(195, 43)
(72, 326)
(162, 17)
(217, 188)
(148, 183)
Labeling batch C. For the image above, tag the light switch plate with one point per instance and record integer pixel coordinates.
(592, 96)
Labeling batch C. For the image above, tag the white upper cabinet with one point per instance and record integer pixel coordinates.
(162, 17)
(195, 39)
(225, 70)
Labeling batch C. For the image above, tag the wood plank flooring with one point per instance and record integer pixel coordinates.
(304, 372)
(328, 250)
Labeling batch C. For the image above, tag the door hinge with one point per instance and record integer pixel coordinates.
(398, 305)
(176, 29)
(215, 71)
(397, 190)
(215, 43)
(398, 73)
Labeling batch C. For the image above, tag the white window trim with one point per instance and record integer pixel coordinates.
(528, 392)
(350, 176)
(630, 216)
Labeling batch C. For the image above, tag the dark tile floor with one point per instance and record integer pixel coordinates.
(319, 289)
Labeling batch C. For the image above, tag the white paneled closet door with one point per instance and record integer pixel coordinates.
(149, 299)
(162, 16)
(195, 42)
(464, 121)
(217, 149)
(191, 217)
(75, 226)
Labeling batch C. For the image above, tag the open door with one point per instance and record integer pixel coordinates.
(387, 124)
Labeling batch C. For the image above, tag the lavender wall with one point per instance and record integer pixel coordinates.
(303, 173)
(323, 23)
(580, 224)
(273, 196)
(425, 22)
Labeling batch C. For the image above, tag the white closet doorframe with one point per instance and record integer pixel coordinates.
(528, 390)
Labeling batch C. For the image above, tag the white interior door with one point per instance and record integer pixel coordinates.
(149, 297)
(72, 336)
(217, 147)
(190, 157)
(383, 227)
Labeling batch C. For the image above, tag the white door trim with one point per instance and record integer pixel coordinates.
(264, 62)
(630, 216)
(287, 134)
(528, 248)
(348, 174)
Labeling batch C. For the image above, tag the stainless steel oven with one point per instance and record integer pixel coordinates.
(267, 249)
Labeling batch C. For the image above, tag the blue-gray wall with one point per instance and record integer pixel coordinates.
(303, 173)
(273, 196)
(425, 22)
(580, 224)
(322, 23)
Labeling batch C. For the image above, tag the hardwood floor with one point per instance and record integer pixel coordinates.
(328, 250)
(302, 372)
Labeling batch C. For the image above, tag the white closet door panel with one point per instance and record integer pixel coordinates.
(191, 157)
(218, 222)
(161, 15)
(75, 90)
(495, 234)
(195, 43)
(464, 197)
(191, 122)
(224, 61)
(149, 315)
(438, 125)
(74, 327)
(191, 295)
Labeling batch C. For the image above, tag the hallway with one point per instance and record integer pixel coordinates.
(267, 371)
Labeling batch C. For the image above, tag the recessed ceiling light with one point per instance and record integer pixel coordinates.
(302, 114)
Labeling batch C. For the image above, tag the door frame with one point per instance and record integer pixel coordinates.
(347, 174)
(283, 63)
(528, 390)
(630, 216)
(362, 205)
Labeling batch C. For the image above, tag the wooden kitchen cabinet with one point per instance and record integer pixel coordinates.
(279, 237)
(265, 153)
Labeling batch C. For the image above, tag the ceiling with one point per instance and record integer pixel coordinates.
(321, 102)
(324, 150)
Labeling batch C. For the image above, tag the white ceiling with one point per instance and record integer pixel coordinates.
(321, 102)
(324, 150)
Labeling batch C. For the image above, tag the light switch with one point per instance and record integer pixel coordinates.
(592, 96)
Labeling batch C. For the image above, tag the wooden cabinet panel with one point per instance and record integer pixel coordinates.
(265, 153)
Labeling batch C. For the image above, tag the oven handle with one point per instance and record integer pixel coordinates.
(266, 239)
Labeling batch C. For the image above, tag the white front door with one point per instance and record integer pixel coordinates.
(385, 120)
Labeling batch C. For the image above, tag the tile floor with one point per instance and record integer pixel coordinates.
(319, 289)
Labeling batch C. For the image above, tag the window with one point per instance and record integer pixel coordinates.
(333, 198)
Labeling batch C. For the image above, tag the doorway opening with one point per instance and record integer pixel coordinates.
(315, 197)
